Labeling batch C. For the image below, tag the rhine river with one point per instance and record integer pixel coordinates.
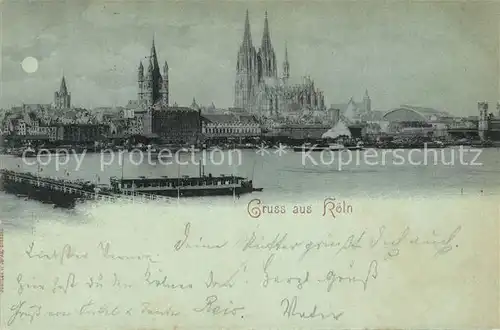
(290, 177)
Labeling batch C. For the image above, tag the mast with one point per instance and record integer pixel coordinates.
(234, 186)
(38, 171)
(178, 182)
(253, 167)
(122, 163)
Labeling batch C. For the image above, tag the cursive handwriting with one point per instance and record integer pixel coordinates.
(20, 310)
(162, 282)
(262, 264)
(92, 309)
(183, 243)
(332, 277)
(154, 311)
(105, 248)
(290, 309)
(21, 285)
(95, 282)
(442, 246)
(311, 245)
(119, 284)
(351, 243)
(228, 283)
(394, 244)
(300, 281)
(276, 244)
(66, 253)
(64, 285)
(58, 314)
(216, 309)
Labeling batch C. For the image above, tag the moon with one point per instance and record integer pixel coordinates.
(29, 64)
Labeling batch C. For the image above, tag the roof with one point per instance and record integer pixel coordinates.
(176, 108)
(220, 118)
(427, 114)
(15, 121)
(237, 109)
(248, 119)
(425, 111)
(36, 107)
(135, 104)
(32, 116)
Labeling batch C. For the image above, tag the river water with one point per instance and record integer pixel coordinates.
(290, 177)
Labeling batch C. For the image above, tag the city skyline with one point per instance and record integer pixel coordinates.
(440, 55)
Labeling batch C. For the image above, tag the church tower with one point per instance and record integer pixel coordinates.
(153, 88)
(286, 66)
(148, 84)
(62, 99)
(247, 71)
(483, 120)
(156, 77)
(164, 90)
(267, 57)
(140, 81)
(367, 102)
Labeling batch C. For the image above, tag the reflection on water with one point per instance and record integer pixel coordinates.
(285, 178)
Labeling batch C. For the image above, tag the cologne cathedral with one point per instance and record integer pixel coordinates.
(153, 87)
(258, 88)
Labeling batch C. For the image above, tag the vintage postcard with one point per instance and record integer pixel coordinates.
(249, 164)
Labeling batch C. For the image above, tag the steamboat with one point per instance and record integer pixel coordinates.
(319, 147)
(184, 186)
(329, 147)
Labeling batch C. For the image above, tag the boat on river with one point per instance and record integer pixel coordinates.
(185, 186)
(319, 147)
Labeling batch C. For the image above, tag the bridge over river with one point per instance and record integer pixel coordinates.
(64, 193)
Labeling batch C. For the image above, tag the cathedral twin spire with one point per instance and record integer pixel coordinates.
(266, 38)
(286, 65)
(266, 53)
(254, 67)
(247, 35)
(265, 57)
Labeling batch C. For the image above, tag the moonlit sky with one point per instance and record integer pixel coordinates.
(442, 55)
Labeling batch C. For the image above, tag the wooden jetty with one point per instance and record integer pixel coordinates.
(63, 193)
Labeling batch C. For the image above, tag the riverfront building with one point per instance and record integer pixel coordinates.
(417, 121)
(177, 125)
